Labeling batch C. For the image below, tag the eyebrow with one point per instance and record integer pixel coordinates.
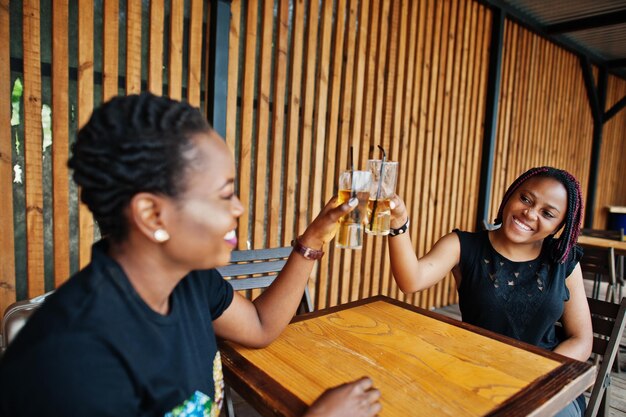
(228, 182)
(535, 197)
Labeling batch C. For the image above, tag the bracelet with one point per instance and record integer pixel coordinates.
(306, 252)
(400, 230)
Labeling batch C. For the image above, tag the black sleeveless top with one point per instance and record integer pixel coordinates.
(522, 300)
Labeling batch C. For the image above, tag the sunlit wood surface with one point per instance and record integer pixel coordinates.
(419, 362)
(602, 243)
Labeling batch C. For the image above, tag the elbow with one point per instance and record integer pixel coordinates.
(407, 288)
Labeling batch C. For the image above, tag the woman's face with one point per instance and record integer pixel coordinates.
(203, 218)
(535, 210)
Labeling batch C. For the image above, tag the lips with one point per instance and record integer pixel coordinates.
(522, 225)
(231, 238)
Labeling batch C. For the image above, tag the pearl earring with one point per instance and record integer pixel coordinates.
(160, 235)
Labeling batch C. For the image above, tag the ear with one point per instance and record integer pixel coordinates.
(146, 214)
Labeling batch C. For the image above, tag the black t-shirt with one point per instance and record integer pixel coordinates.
(96, 349)
(522, 300)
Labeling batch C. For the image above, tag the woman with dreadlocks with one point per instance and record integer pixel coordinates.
(519, 279)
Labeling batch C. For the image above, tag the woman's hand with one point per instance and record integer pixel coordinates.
(356, 399)
(324, 227)
(399, 215)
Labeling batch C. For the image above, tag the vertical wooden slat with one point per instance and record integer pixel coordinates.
(400, 111)
(446, 141)
(32, 148)
(467, 119)
(233, 75)
(336, 158)
(262, 127)
(357, 142)
(247, 102)
(452, 158)
(368, 122)
(60, 144)
(303, 212)
(480, 109)
(432, 138)
(206, 64)
(7, 248)
(407, 97)
(293, 122)
(305, 194)
(133, 47)
(423, 157)
(386, 79)
(85, 107)
(194, 74)
(478, 83)
(323, 158)
(274, 228)
(155, 55)
(345, 270)
(110, 40)
(175, 64)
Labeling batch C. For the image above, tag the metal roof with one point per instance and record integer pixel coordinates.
(593, 28)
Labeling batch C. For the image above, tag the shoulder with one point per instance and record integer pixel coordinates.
(470, 238)
(209, 286)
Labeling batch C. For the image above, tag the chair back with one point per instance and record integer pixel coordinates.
(598, 264)
(604, 234)
(608, 328)
(16, 316)
(258, 268)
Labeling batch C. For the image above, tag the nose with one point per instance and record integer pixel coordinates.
(237, 207)
(530, 213)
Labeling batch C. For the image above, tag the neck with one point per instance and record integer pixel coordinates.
(518, 252)
(148, 272)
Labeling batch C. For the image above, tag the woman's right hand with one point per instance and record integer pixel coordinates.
(357, 399)
(399, 214)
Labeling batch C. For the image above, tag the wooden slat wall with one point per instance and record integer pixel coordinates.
(544, 116)
(404, 75)
(407, 75)
(612, 170)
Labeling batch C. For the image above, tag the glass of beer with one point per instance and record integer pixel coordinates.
(353, 184)
(384, 177)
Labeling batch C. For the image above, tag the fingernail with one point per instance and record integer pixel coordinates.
(353, 202)
(392, 204)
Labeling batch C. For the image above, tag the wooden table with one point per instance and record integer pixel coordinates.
(618, 245)
(422, 362)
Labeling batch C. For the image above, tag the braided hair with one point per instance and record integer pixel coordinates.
(561, 247)
(132, 144)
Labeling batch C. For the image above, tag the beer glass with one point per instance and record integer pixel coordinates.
(384, 177)
(353, 184)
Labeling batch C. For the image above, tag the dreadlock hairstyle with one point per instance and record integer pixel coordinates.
(132, 144)
(561, 247)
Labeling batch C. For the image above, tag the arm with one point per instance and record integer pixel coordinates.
(258, 323)
(412, 274)
(576, 320)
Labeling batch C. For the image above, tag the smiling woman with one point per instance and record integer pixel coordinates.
(134, 332)
(519, 279)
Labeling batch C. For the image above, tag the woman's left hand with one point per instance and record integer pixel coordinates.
(324, 227)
